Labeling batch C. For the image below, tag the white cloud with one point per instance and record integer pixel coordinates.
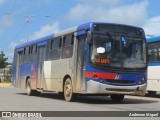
(152, 26)
(134, 14)
(109, 2)
(1, 2)
(45, 30)
(101, 2)
(5, 23)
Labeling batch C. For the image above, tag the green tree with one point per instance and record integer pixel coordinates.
(3, 60)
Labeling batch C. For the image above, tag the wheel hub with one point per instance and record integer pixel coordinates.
(68, 90)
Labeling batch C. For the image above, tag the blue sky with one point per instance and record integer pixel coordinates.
(68, 13)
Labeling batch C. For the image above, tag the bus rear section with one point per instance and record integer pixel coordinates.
(153, 85)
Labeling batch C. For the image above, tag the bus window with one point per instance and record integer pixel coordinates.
(57, 43)
(51, 44)
(152, 51)
(33, 49)
(54, 49)
(26, 57)
(67, 49)
(15, 57)
(158, 49)
(27, 50)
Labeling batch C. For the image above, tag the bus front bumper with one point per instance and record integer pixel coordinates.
(100, 88)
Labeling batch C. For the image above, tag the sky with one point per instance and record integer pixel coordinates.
(22, 20)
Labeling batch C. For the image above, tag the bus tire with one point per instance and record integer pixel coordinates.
(117, 98)
(151, 93)
(30, 92)
(69, 96)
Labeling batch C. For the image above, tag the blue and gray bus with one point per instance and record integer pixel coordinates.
(153, 85)
(90, 59)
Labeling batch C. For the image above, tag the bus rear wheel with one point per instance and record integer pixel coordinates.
(68, 91)
(152, 93)
(117, 98)
(30, 92)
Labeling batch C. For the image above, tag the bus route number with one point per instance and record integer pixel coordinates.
(102, 60)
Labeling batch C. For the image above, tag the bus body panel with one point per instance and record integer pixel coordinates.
(153, 83)
(26, 71)
(47, 75)
(94, 87)
(110, 83)
(153, 77)
(54, 71)
(14, 75)
(60, 68)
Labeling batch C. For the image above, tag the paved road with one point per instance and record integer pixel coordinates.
(14, 99)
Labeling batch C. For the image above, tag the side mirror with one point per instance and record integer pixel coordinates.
(89, 37)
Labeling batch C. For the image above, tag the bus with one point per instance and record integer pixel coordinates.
(90, 59)
(153, 85)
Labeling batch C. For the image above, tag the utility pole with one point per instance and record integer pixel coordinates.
(28, 19)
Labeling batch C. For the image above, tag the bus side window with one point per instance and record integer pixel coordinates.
(152, 50)
(15, 57)
(51, 44)
(67, 50)
(54, 48)
(26, 56)
(24, 51)
(33, 51)
(158, 49)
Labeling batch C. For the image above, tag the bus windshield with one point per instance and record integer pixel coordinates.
(118, 51)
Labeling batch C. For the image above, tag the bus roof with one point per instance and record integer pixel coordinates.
(153, 39)
(84, 26)
(34, 41)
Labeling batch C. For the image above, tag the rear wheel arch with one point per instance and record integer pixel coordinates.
(30, 91)
(27, 78)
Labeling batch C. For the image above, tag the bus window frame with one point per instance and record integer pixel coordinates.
(157, 52)
(70, 45)
(50, 52)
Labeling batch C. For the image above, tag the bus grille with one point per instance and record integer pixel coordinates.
(119, 90)
(121, 81)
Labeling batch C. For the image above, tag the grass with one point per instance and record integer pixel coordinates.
(5, 84)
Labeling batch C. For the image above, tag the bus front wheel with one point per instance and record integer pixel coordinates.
(68, 91)
(117, 98)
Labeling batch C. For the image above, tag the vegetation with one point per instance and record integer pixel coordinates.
(3, 60)
(3, 64)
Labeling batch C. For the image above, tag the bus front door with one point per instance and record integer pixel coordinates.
(80, 67)
(40, 74)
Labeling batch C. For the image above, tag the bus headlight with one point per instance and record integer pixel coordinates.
(143, 80)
